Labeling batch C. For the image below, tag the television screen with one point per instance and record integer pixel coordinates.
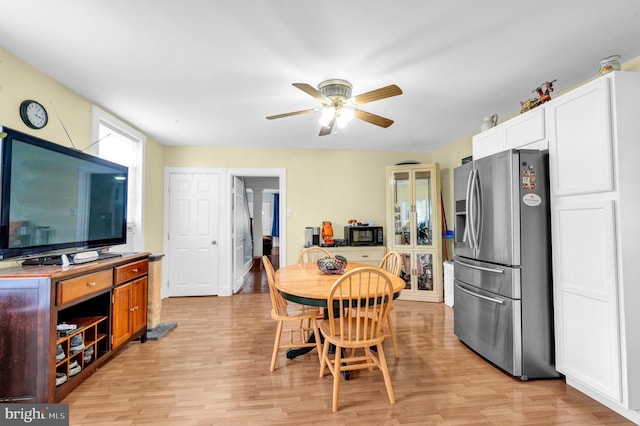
(56, 198)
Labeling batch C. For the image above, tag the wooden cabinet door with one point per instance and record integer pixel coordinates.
(24, 341)
(138, 307)
(120, 328)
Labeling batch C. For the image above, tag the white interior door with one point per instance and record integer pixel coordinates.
(193, 234)
(242, 249)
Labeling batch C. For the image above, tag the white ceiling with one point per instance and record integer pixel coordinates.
(202, 72)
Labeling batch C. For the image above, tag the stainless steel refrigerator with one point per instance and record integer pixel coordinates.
(503, 307)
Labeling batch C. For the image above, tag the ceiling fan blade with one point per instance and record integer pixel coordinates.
(313, 92)
(374, 95)
(324, 131)
(289, 114)
(372, 118)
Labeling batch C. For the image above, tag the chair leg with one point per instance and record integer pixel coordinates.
(318, 339)
(324, 359)
(276, 346)
(392, 332)
(385, 374)
(336, 377)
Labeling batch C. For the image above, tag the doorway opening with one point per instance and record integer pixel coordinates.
(261, 193)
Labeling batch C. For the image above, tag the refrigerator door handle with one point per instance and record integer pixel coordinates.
(466, 233)
(471, 211)
(476, 210)
(479, 210)
(481, 268)
(480, 296)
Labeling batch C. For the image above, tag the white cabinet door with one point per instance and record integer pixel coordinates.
(526, 131)
(587, 340)
(580, 141)
(418, 270)
(487, 143)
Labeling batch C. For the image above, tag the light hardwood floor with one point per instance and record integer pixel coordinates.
(213, 369)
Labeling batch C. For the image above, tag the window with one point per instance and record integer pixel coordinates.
(116, 141)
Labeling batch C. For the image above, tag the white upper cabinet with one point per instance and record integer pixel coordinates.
(580, 140)
(526, 131)
(488, 142)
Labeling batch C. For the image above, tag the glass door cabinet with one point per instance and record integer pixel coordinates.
(414, 228)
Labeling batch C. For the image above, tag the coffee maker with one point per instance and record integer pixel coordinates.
(311, 236)
(327, 234)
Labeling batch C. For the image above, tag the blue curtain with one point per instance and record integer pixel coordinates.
(275, 226)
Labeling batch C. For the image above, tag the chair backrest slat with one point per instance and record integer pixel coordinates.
(392, 262)
(354, 315)
(313, 254)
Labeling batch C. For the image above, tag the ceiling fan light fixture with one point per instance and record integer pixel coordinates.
(328, 114)
(332, 89)
(345, 115)
(338, 107)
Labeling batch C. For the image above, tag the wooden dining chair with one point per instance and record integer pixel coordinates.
(313, 254)
(392, 262)
(358, 305)
(302, 320)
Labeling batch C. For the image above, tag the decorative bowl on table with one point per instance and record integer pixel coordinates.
(332, 265)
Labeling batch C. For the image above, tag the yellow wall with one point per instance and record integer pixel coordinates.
(153, 214)
(20, 81)
(321, 185)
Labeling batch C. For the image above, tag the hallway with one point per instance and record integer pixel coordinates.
(256, 280)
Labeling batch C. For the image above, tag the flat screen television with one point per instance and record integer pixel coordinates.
(57, 200)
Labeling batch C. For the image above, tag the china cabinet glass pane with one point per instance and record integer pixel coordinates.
(405, 270)
(401, 208)
(424, 213)
(424, 266)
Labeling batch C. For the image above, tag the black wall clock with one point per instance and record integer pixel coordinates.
(33, 114)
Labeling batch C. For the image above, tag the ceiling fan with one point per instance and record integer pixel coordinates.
(338, 105)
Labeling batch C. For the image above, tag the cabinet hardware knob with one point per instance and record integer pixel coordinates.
(134, 270)
(91, 284)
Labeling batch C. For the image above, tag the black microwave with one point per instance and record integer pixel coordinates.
(363, 235)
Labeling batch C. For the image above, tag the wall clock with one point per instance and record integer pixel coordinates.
(33, 114)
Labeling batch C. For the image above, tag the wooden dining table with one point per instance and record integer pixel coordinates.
(307, 285)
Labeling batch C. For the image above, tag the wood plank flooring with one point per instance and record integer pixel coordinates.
(213, 369)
